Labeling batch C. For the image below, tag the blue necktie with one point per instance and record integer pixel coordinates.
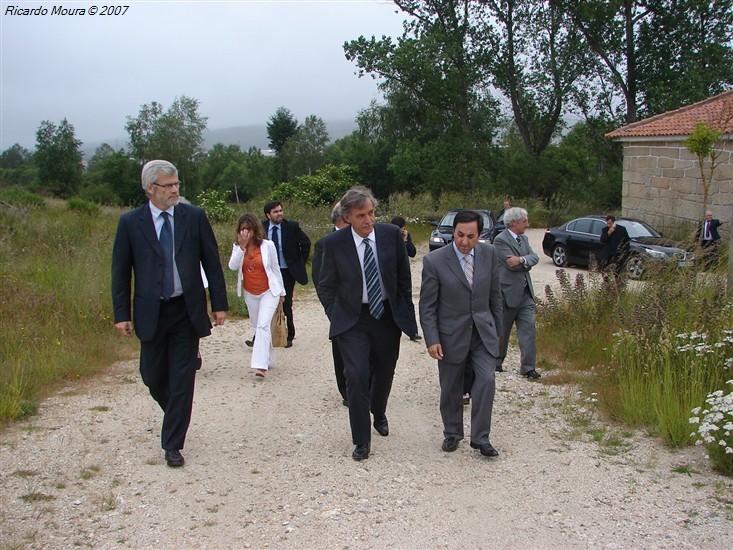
(376, 307)
(166, 244)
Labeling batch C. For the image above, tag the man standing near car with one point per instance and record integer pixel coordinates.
(516, 259)
(293, 248)
(461, 317)
(615, 240)
(707, 234)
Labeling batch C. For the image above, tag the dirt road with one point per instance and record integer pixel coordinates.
(268, 464)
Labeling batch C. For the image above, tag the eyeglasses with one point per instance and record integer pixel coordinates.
(168, 186)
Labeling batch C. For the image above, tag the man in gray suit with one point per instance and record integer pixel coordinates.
(516, 259)
(461, 317)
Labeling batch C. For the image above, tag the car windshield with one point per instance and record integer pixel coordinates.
(638, 229)
(447, 221)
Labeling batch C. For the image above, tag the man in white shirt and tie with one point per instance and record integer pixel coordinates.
(708, 236)
(516, 258)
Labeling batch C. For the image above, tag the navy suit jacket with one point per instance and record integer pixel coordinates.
(714, 224)
(137, 249)
(296, 247)
(340, 280)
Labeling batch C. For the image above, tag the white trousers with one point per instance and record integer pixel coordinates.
(261, 308)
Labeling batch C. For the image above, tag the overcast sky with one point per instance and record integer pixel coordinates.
(241, 59)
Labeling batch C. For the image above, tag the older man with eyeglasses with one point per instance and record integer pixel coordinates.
(167, 244)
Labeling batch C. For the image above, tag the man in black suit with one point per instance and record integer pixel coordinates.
(166, 243)
(293, 248)
(615, 240)
(708, 236)
(366, 289)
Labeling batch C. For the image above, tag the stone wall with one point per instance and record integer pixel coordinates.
(662, 184)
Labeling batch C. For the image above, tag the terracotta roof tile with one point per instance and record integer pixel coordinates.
(716, 111)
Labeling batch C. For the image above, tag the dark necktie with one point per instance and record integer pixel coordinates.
(166, 244)
(276, 241)
(376, 307)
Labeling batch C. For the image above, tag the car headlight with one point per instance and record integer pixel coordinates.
(436, 239)
(656, 254)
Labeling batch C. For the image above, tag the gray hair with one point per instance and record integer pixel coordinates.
(356, 197)
(336, 216)
(153, 168)
(513, 215)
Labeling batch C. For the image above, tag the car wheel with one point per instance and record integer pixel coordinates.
(559, 255)
(635, 268)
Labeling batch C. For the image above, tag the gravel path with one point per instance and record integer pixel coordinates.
(268, 464)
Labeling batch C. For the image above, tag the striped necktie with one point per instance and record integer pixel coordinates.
(468, 269)
(376, 307)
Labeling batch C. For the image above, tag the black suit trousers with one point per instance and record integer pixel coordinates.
(289, 284)
(370, 350)
(168, 368)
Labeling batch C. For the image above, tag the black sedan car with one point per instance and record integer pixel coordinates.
(578, 242)
(443, 232)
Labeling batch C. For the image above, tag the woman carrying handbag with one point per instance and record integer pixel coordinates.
(258, 275)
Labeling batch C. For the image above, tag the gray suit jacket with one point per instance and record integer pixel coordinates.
(514, 279)
(448, 307)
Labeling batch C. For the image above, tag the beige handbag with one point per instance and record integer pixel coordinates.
(279, 328)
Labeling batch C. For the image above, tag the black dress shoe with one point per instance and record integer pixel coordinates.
(416, 338)
(450, 444)
(499, 368)
(361, 452)
(289, 344)
(382, 426)
(532, 374)
(485, 448)
(174, 459)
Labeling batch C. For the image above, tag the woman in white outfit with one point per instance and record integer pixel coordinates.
(258, 275)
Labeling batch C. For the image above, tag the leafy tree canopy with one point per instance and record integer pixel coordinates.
(58, 157)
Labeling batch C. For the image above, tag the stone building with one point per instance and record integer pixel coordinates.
(661, 178)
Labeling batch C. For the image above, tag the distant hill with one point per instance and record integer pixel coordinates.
(244, 136)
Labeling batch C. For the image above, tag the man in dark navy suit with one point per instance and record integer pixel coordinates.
(708, 236)
(366, 289)
(166, 244)
(293, 248)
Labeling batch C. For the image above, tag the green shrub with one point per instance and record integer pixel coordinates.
(21, 198)
(85, 207)
(216, 206)
(99, 193)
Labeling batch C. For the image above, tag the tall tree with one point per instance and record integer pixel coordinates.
(176, 135)
(58, 157)
(15, 156)
(539, 59)
(694, 59)
(649, 51)
(280, 128)
(16, 165)
(434, 82)
(305, 151)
